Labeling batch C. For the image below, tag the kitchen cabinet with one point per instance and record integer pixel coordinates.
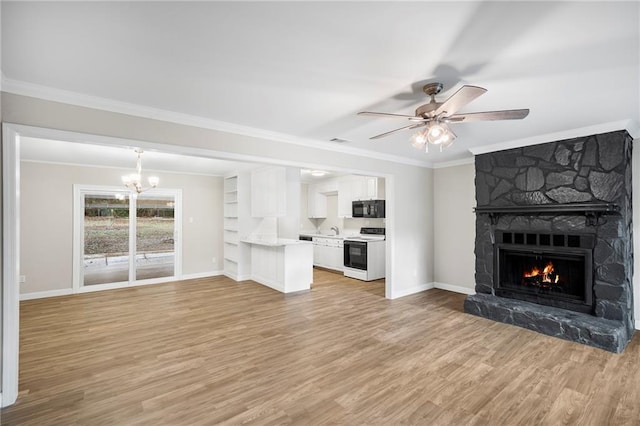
(344, 196)
(355, 188)
(268, 192)
(283, 266)
(328, 253)
(367, 188)
(337, 257)
(316, 202)
(328, 186)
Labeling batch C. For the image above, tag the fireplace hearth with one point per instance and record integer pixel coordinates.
(554, 248)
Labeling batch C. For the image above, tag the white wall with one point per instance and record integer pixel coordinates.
(47, 220)
(409, 188)
(306, 224)
(454, 230)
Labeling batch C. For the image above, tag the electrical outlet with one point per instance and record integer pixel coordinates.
(23, 279)
(214, 260)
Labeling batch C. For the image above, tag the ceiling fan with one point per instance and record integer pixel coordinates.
(435, 116)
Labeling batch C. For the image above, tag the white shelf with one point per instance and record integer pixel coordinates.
(230, 223)
(237, 220)
(231, 210)
(231, 184)
(231, 237)
(231, 252)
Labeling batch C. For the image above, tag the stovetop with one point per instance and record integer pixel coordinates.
(369, 234)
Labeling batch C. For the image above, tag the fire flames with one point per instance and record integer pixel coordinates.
(546, 275)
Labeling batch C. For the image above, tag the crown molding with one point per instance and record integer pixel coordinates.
(23, 88)
(454, 163)
(630, 126)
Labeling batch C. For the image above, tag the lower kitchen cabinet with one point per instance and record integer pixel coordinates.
(328, 253)
(284, 267)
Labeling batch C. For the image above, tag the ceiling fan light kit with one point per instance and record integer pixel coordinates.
(434, 117)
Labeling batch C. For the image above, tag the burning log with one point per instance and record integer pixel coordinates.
(541, 278)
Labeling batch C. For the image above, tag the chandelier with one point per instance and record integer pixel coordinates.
(133, 181)
(436, 132)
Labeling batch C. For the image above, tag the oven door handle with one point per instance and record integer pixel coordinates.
(355, 243)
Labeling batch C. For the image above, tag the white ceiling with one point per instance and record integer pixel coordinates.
(305, 69)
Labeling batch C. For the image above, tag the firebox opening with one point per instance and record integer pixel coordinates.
(548, 269)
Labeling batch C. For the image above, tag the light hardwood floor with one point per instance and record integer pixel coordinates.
(212, 351)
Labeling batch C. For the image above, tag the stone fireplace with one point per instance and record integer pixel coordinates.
(554, 249)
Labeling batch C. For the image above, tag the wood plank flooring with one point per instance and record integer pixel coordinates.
(213, 351)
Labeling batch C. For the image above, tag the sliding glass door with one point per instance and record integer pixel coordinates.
(123, 238)
(105, 238)
(155, 236)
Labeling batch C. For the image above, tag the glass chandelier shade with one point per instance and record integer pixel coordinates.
(133, 181)
(435, 133)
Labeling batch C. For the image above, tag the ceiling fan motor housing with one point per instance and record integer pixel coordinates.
(427, 110)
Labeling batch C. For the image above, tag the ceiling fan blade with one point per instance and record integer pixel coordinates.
(463, 96)
(385, 114)
(510, 114)
(382, 135)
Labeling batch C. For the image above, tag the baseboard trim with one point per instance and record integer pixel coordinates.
(48, 293)
(201, 275)
(454, 288)
(412, 290)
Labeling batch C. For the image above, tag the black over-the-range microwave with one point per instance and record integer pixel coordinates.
(368, 208)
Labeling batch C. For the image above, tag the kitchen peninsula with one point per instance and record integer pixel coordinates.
(283, 264)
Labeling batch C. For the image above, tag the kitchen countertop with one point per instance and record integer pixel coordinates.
(274, 243)
(337, 237)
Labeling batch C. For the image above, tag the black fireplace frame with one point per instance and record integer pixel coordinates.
(542, 243)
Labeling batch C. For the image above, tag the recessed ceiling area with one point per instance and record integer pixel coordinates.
(94, 155)
(306, 71)
(84, 154)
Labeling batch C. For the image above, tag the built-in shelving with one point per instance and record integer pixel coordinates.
(230, 225)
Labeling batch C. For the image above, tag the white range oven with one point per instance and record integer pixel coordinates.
(364, 255)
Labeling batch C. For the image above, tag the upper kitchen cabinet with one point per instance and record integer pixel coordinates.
(328, 186)
(368, 188)
(269, 192)
(345, 190)
(356, 188)
(316, 202)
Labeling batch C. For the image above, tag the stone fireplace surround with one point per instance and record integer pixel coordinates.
(582, 171)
